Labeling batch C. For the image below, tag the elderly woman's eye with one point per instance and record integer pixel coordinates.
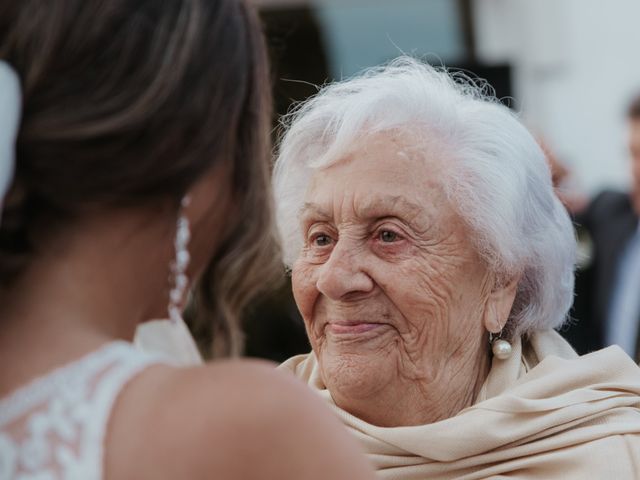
(388, 236)
(321, 240)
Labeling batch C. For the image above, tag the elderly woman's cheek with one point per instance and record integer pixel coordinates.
(428, 293)
(304, 288)
(432, 273)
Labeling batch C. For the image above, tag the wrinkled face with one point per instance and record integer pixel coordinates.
(391, 291)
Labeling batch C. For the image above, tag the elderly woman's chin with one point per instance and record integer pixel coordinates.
(358, 362)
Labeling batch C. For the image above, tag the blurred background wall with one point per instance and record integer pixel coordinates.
(571, 66)
(575, 68)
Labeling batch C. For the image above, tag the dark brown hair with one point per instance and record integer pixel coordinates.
(128, 101)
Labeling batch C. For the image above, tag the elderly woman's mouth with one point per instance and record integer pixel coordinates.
(352, 328)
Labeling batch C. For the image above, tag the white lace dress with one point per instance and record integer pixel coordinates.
(54, 427)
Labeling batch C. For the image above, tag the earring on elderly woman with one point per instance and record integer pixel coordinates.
(500, 347)
(178, 267)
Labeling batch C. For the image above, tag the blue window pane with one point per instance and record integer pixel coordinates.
(360, 34)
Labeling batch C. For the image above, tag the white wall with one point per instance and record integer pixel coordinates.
(576, 66)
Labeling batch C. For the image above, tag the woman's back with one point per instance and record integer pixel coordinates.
(118, 413)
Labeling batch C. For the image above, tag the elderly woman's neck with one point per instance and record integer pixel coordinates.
(456, 390)
(420, 401)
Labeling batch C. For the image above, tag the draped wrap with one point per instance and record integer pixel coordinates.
(543, 413)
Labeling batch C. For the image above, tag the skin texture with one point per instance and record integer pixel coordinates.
(94, 283)
(245, 420)
(396, 301)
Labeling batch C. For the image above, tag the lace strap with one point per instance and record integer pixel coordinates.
(59, 421)
(106, 394)
(62, 379)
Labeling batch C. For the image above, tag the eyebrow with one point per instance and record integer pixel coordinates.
(379, 207)
(313, 209)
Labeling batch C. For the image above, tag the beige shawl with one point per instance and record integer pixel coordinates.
(170, 340)
(544, 413)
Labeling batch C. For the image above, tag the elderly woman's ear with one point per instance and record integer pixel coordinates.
(499, 303)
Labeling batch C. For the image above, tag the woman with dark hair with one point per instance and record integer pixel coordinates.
(133, 141)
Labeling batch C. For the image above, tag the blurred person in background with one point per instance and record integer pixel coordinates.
(431, 262)
(577, 329)
(133, 145)
(607, 299)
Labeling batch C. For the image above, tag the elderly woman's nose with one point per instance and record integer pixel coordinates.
(343, 274)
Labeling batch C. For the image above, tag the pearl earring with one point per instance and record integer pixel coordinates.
(501, 348)
(178, 267)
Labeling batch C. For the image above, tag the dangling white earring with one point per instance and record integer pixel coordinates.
(501, 348)
(178, 267)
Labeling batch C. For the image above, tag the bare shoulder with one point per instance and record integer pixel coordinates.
(235, 419)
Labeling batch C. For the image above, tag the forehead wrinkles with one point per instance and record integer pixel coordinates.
(350, 210)
(408, 184)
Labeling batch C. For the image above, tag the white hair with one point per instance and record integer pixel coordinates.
(499, 182)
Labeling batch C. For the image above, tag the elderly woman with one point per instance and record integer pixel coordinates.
(431, 262)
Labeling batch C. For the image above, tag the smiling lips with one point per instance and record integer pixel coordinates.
(342, 328)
